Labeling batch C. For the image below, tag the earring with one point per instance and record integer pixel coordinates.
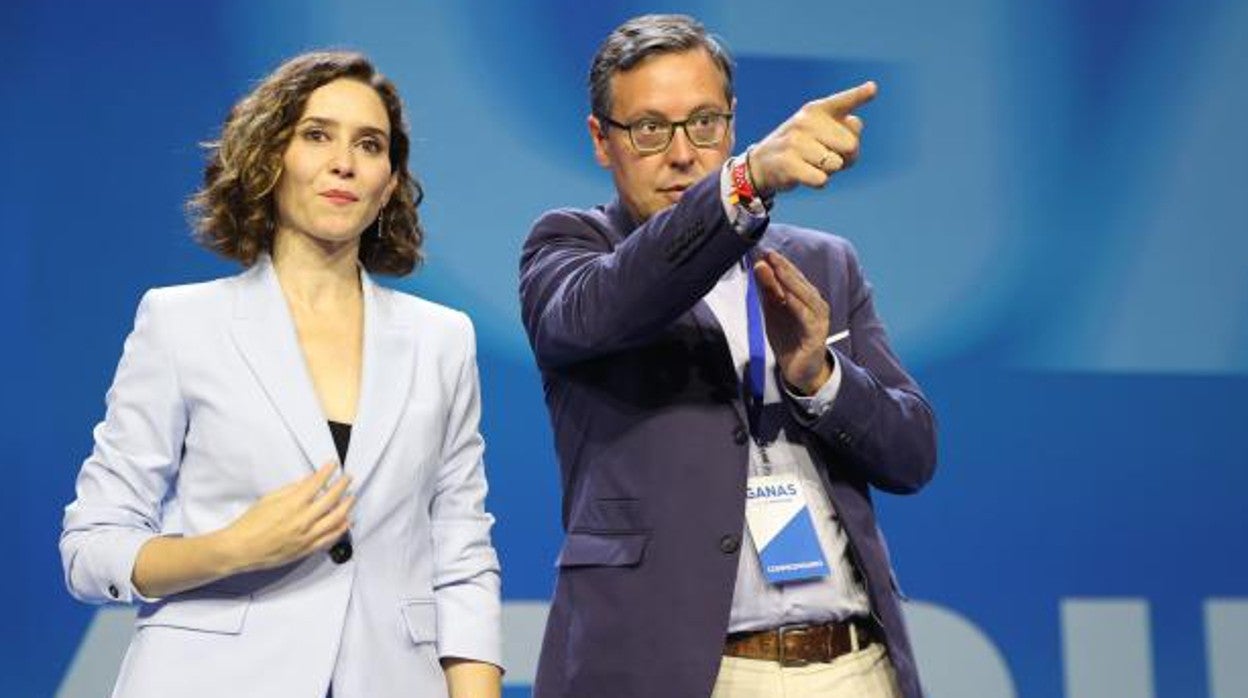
(381, 225)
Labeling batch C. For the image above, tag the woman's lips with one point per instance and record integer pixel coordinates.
(340, 197)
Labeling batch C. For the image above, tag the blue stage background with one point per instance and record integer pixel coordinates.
(1052, 203)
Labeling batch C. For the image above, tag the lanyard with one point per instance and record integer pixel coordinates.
(756, 369)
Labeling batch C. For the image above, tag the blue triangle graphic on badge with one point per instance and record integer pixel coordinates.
(794, 554)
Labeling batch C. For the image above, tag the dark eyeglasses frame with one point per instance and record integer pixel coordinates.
(671, 130)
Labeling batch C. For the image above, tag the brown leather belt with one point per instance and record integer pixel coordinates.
(797, 645)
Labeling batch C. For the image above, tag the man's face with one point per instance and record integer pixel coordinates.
(671, 87)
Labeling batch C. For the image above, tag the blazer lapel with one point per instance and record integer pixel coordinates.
(714, 332)
(385, 386)
(264, 333)
(618, 220)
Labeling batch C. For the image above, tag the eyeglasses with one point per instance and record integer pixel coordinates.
(704, 129)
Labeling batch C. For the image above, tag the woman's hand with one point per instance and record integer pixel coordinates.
(286, 524)
(291, 522)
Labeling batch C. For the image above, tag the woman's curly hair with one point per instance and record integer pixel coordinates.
(234, 213)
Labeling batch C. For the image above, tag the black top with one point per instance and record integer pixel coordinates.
(342, 438)
(341, 551)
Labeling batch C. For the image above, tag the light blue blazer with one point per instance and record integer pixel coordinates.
(212, 407)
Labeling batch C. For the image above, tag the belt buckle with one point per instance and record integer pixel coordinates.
(782, 632)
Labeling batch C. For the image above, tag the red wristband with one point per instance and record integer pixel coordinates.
(742, 184)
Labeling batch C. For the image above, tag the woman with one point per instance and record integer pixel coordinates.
(214, 494)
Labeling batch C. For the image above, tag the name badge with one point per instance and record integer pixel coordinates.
(783, 532)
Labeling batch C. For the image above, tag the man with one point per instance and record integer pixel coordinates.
(705, 367)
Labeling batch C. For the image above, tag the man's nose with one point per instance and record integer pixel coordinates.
(681, 151)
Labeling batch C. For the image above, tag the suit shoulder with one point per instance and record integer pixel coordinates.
(810, 238)
(567, 215)
(812, 241)
(426, 313)
(190, 292)
(565, 221)
(193, 300)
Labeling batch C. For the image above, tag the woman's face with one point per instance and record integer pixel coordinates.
(336, 170)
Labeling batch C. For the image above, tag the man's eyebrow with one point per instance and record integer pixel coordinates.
(655, 114)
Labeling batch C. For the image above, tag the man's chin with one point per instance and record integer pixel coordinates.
(662, 202)
(672, 196)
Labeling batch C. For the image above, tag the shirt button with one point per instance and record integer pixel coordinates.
(112, 591)
(844, 438)
(729, 544)
(739, 435)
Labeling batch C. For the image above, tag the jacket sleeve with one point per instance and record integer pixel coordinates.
(880, 424)
(582, 295)
(466, 570)
(131, 468)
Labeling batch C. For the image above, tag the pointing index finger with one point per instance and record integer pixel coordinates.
(846, 101)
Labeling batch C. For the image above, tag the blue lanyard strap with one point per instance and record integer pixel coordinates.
(756, 369)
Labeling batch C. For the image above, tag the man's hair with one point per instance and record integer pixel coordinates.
(235, 214)
(649, 35)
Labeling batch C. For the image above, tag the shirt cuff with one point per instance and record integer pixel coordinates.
(815, 406)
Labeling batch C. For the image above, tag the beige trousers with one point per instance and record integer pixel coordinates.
(866, 673)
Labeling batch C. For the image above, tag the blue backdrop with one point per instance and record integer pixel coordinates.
(1052, 204)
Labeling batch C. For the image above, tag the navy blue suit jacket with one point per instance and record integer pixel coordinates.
(650, 431)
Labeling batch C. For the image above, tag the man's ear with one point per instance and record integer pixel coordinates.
(598, 135)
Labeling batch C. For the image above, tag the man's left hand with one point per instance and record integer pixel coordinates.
(797, 322)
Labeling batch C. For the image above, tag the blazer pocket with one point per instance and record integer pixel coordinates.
(212, 612)
(610, 515)
(420, 616)
(602, 550)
